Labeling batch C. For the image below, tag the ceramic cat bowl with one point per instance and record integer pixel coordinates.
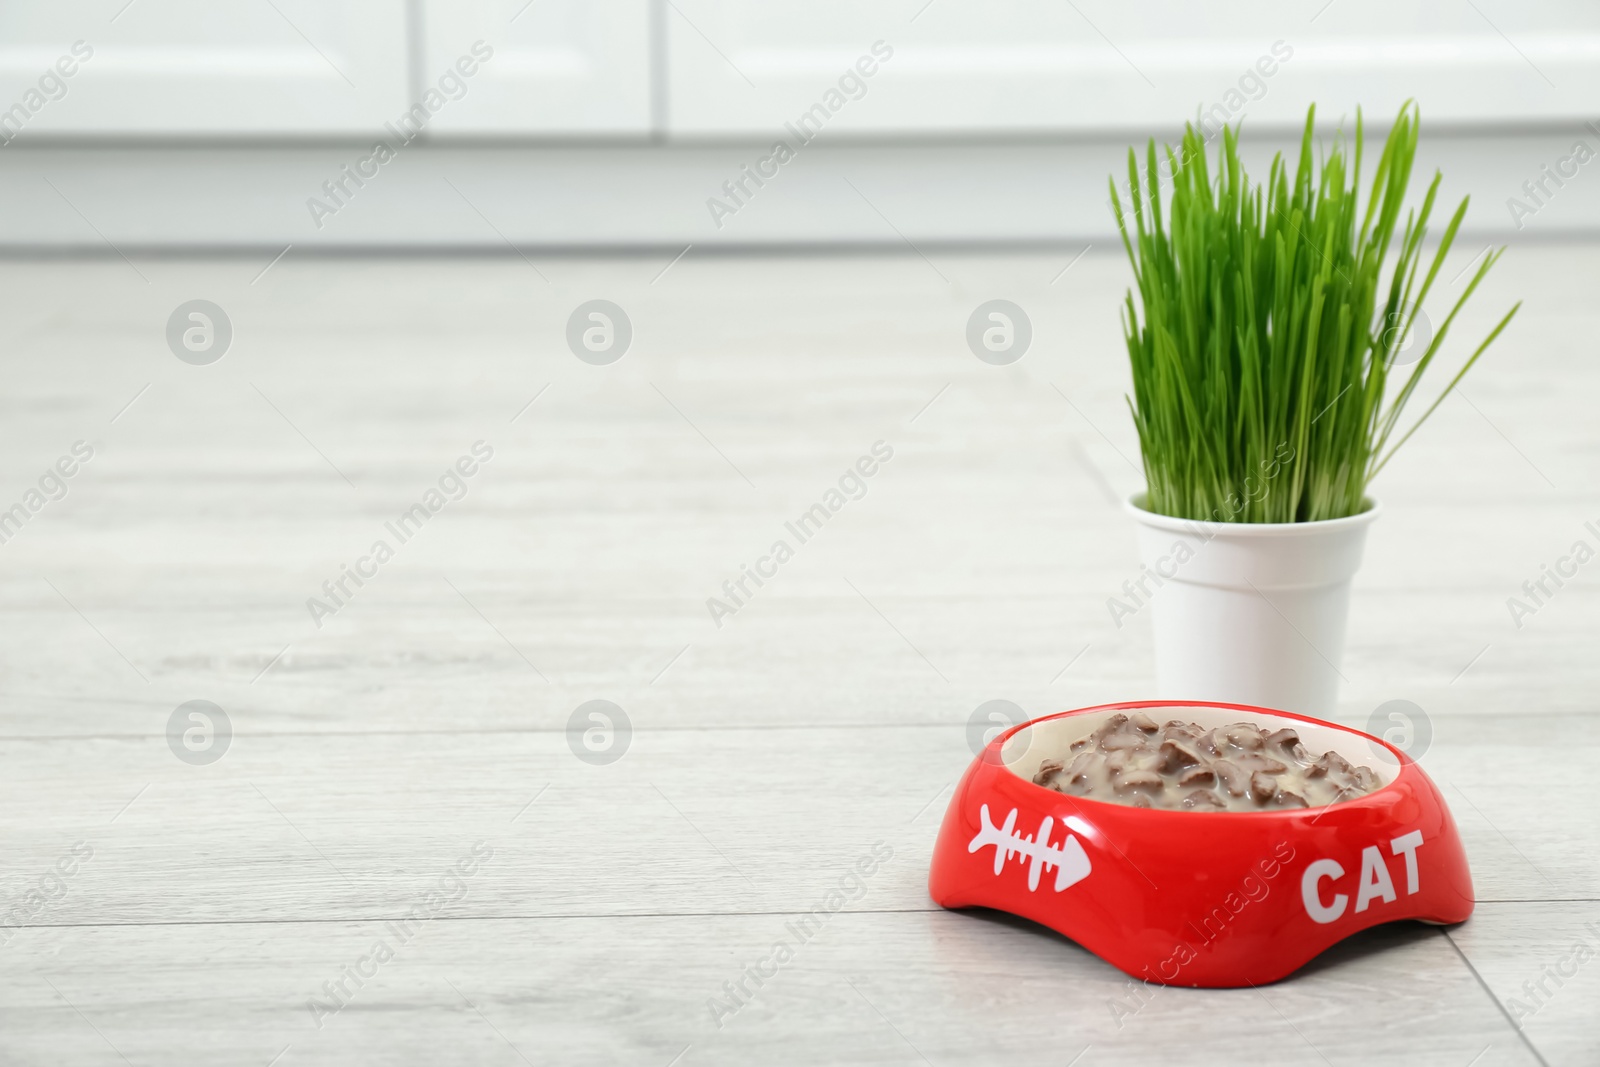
(1199, 898)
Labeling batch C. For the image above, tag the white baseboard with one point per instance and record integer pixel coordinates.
(442, 195)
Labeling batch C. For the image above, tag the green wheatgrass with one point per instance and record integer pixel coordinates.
(1266, 331)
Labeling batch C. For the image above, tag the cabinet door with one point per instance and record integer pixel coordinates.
(745, 67)
(558, 66)
(264, 67)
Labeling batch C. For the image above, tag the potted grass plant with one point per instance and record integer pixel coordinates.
(1268, 393)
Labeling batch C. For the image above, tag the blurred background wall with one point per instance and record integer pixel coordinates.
(642, 123)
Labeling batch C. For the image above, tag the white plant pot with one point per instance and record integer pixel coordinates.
(1249, 613)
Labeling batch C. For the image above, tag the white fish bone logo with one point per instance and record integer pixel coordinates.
(1068, 858)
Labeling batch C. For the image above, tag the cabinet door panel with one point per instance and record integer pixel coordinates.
(744, 67)
(559, 66)
(283, 67)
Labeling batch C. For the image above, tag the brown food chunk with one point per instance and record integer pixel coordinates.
(1127, 781)
(1080, 765)
(1263, 786)
(1266, 764)
(1077, 775)
(1233, 777)
(1203, 776)
(1348, 792)
(1242, 735)
(1330, 761)
(1179, 731)
(1047, 770)
(1204, 799)
(1143, 722)
(1176, 755)
(1286, 799)
(1124, 741)
(1111, 726)
(1285, 739)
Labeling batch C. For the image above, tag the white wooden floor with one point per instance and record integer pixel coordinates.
(208, 905)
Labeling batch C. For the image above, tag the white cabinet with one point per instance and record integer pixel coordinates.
(738, 67)
(163, 67)
(563, 67)
(745, 68)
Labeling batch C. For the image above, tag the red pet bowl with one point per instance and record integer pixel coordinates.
(1194, 898)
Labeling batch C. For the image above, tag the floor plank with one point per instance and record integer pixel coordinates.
(685, 822)
(1540, 962)
(890, 988)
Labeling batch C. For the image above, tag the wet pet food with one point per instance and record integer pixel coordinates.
(1131, 760)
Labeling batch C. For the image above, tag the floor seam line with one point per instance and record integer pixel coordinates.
(463, 918)
(1521, 1034)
